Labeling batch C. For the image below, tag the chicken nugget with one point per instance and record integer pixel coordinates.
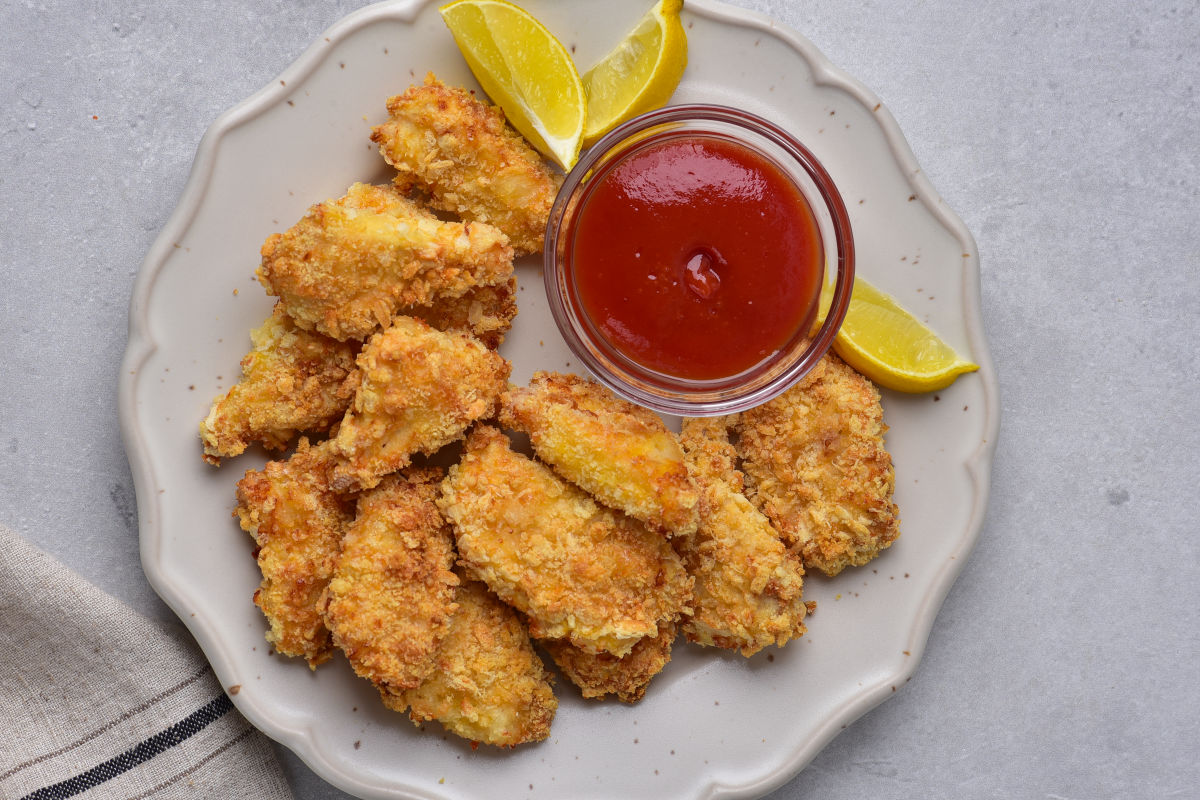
(748, 585)
(620, 453)
(350, 264)
(459, 150)
(815, 464)
(298, 523)
(601, 674)
(577, 570)
(420, 390)
(392, 594)
(488, 685)
(485, 312)
(293, 381)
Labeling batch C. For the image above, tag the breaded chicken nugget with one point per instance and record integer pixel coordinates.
(488, 685)
(392, 593)
(459, 150)
(600, 674)
(816, 465)
(748, 584)
(420, 390)
(350, 264)
(622, 454)
(485, 312)
(577, 570)
(298, 524)
(293, 381)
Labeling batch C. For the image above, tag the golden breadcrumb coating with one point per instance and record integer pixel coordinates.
(601, 674)
(485, 312)
(420, 390)
(748, 584)
(293, 381)
(350, 264)
(816, 465)
(620, 453)
(577, 570)
(392, 593)
(459, 150)
(298, 524)
(488, 685)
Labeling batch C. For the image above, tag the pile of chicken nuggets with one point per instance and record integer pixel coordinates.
(616, 536)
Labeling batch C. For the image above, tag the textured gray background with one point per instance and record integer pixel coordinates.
(1063, 664)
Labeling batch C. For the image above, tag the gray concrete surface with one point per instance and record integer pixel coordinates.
(1063, 664)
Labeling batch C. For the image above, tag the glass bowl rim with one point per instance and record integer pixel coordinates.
(838, 254)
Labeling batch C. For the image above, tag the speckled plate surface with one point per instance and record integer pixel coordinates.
(712, 725)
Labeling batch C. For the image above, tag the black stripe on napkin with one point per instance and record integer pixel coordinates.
(139, 753)
(112, 724)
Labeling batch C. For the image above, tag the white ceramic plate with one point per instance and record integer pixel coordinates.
(712, 724)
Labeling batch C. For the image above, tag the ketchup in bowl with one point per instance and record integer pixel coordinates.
(685, 256)
(697, 257)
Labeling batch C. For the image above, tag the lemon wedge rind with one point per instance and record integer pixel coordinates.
(640, 74)
(889, 345)
(525, 70)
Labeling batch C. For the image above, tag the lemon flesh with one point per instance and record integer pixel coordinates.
(524, 70)
(891, 347)
(640, 74)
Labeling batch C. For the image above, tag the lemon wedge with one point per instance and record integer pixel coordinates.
(890, 346)
(640, 74)
(525, 70)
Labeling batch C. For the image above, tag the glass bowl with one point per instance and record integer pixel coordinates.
(650, 386)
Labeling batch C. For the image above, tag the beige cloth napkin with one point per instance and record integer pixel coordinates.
(96, 701)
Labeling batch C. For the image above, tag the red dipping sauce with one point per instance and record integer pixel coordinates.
(696, 257)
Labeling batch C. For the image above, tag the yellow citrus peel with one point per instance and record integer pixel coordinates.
(883, 341)
(525, 71)
(640, 74)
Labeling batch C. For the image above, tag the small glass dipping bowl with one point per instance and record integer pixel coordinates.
(774, 373)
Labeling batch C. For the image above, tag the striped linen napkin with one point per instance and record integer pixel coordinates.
(96, 701)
